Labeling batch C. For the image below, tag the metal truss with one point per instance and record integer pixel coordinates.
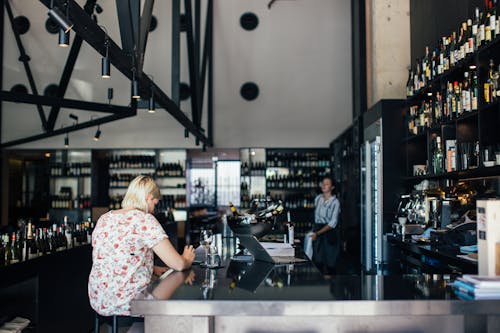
(126, 60)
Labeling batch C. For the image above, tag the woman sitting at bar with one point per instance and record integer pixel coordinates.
(123, 243)
(325, 236)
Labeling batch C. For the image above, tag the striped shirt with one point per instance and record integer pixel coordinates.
(326, 212)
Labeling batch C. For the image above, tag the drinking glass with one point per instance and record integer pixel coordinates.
(206, 238)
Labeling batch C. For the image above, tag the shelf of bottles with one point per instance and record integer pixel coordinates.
(253, 176)
(170, 175)
(30, 242)
(124, 166)
(453, 95)
(293, 176)
(70, 183)
(167, 167)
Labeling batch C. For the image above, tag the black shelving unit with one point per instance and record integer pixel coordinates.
(296, 174)
(477, 128)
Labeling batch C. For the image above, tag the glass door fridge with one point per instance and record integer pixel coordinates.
(371, 199)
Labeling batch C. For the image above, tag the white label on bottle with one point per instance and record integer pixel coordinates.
(474, 103)
(481, 32)
(493, 22)
(474, 29)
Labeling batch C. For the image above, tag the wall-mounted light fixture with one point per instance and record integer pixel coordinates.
(186, 133)
(66, 141)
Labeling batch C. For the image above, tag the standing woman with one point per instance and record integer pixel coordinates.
(123, 242)
(325, 237)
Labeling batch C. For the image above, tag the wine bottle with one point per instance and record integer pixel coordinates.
(2, 251)
(233, 209)
(474, 92)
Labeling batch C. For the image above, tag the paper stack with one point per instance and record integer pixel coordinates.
(477, 287)
(279, 249)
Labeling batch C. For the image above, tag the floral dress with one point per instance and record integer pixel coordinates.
(122, 259)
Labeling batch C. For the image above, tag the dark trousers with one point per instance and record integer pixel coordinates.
(326, 250)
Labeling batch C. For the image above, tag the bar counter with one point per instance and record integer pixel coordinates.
(260, 297)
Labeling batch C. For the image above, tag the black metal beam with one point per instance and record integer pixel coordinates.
(128, 19)
(4, 185)
(95, 36)
(193, 65)
(68, 69)
(7, 96)
(176, 52)
(69, 129)
(210, 56)
(147, 11)
(24, 58)
(207, 49)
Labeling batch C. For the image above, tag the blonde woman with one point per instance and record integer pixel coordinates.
(123, 244)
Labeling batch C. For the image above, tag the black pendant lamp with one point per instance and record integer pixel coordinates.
(63, 38)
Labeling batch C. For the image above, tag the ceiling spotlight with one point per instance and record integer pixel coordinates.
(110, 95)
(97, 134)
(151, 105)
(135, 86)
(105, 67)
(472, 66)
(66, 141)
(151, 108)
(61, 19)
(63, 38)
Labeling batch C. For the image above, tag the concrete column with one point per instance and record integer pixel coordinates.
(388, 49)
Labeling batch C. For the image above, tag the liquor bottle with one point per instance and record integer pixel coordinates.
(457, 97)
(14, 248)
(233, 209)
(487, 25)
(8, 249)
(475, 29)
(291, 229)
(453, 49)
(474, 92)
(2, 251)
(470, 37)
(489, 84)
(493, 19)
(438, 157)
(409, 83)
(466, 95)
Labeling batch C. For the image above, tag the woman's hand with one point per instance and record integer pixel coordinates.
(159, 270)
(314, 236)
(188, 254)
(190, 278)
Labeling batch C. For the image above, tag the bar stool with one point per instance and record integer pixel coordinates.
(113, 321)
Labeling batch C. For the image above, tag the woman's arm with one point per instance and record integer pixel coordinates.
(168, 254)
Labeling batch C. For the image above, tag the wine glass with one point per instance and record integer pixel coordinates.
(402, 221)
(206, 238)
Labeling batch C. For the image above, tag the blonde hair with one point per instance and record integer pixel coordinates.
(137, 192)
